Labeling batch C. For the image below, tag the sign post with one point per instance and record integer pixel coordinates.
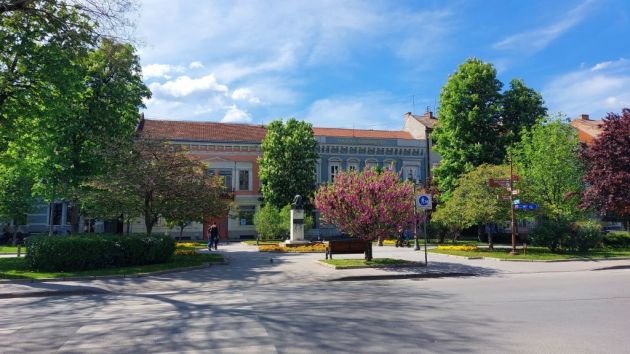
(424, 202)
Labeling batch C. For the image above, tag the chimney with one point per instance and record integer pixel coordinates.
(584, 117)
(429, 115)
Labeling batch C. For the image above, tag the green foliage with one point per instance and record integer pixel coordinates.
(522, 108)
(287, 165)
(473, 202)
(16, 183)
(617, 239)
(587, 236)
(551, 233)
(477, 122)
(274, 224)
(468, 131)
(72, 253)
(551, 171)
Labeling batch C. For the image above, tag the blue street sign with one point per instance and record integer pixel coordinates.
(423, 201)
(526, 206)
(517, 201)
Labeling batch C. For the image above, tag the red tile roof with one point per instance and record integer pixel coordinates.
(362, 133)
(588, 130)
(202, 131)
(427, 119)
(231, 132)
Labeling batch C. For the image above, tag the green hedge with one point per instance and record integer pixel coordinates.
(617, 239)
(83, 252)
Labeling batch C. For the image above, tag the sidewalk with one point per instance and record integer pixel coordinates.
(248, 267)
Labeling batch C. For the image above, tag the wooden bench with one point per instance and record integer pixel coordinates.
(349, 246)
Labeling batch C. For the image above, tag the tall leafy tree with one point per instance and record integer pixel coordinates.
(521, 108)
(287, 165)
(473, 202)
(547, 160)
(103, 108)
(469, 115)
(608, 174)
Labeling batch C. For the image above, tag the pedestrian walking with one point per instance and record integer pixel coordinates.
(214, 236)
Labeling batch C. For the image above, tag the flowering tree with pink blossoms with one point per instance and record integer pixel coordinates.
(369, 205)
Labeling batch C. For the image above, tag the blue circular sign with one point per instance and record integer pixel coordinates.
(424, 200)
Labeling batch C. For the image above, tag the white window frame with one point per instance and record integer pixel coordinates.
(333, 163)
(371, 163)
(249, 179)
(352, 165)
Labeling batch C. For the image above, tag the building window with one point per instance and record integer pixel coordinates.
(227, 178)
(334, 171)
(411, 173)
(243, 180)
(371, 164)
(390, 165)
(246, 215)
(57, 210)
(353, 165)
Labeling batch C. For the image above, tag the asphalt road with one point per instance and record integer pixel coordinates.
(291, 305)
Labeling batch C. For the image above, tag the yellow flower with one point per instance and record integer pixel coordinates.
(458, 248)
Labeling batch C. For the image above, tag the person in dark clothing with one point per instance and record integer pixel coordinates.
(214, 237)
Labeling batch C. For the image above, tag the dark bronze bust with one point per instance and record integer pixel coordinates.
(298, 202)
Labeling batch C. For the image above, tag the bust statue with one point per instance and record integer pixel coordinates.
(298, 202)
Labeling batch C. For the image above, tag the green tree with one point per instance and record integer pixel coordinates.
(150, 179)
(287, 165)
(473, 202)
(103, 108)
(522, 108)
(194, 197)
(550, 169)
(274, 224)
(469, 115)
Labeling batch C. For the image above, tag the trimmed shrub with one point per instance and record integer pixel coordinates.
(617, 239)
(82, 252)
(587, 236)
(551, 234)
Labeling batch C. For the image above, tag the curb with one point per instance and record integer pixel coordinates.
(105, 277)
(540, 260)
(412, 265)
(404, 276)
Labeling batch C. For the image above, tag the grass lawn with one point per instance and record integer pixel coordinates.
(10, 249)
(540, 253)
(16, 268)
(360, 262)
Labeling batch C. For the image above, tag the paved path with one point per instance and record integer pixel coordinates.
(290, 305)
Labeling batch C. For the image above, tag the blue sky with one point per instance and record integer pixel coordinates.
(363, 64)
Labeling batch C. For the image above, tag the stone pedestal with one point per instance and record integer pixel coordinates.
(297, 228)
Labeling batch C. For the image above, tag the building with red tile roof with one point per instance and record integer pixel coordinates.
(588, 130)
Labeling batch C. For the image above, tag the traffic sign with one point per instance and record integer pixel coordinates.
(517, 201)
(424, 201)
(526, 206)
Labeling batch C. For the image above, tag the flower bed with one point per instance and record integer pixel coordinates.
(312, 248)
(458, 248)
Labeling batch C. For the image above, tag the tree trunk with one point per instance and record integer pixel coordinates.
(479, 231)
(128, 227)
(148, 222)
(490, 243)
(181, 231)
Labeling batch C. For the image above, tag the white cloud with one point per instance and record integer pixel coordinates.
(376, 110)
(603, 88)
(245, 94)
(184, 86)
(236, 115)
(537, 39)
(155, 70)
(161, 70)
(195, 65)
